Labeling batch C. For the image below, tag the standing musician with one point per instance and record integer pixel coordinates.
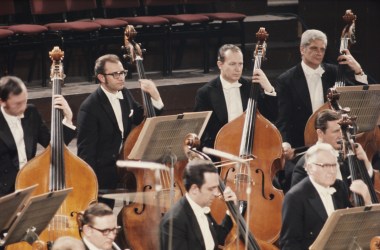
(189, 224)
(106, 117)
(302, 89)
(21, 128)
(329, 131)
(99, 227)
(227, 95)
(308, 204)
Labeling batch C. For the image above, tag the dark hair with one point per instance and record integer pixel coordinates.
(10, 85)
(95, 210)
(222, 51)
(325, 116)
(101, 61)
(194, 172)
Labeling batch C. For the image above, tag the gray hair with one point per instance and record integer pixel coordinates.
(313, 151)
(310, 35)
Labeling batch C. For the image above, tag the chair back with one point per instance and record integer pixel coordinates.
(44, 7)
(7, 8)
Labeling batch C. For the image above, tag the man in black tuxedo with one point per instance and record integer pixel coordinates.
(106, 117)
(328, 131)
(99, 227)
(308, 204)
(188, 224)
(302, 89)
(21, 128)
(227, 95)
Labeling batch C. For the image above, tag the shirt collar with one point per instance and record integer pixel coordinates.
(89, 244)
(228, 85)
(112, 96)
(198, 210)
(310, 71)
(322, 190)
(9, 117)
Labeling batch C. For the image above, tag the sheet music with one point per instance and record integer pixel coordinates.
(167, 133)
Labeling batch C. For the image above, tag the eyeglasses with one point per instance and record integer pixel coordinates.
(117, 74)
(107, 231)
(325, 165)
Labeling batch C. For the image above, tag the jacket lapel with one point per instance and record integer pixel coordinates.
(28, 134)
(300, 87)
(315, 200)
(194, 223)
(107, 107)
(217, 97)
(6, 134)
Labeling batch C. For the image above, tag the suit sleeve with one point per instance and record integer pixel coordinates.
(179, 234)
(292, 231)
(87, 136)
(284, 108)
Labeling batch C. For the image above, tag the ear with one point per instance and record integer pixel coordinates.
(100, 77)
(302, 50)
(219, 63)
(194, 189)
(86, 230)
(320, 133)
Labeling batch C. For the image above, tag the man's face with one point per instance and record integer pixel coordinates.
(100, 239)
(16, 104)
(323, 168)
(232, 67)
(312, 54)
(332, 135)
(209, 190)
(109, 82)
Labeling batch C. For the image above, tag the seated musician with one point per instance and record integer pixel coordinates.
(189, 224)
(328, 131)
(99, 227)
(21, 128)
(308, 204)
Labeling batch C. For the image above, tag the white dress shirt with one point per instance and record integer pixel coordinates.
(14, 123)
(314, 83)
(233, 98)
(202, 222)
(326, 196)
(115, 103)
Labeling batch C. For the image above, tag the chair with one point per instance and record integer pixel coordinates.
(112, 30)
(5, 47)
(220, 20)
(22, 37)
(148, 27)
(183, 26)
(80, 34)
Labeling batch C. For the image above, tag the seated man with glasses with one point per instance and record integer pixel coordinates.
(308, 204)
(106, 118)
(99, 227)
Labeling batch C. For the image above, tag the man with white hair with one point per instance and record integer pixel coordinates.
(308, 204)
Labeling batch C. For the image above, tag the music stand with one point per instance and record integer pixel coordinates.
(161, 134)
(35, 217)
(349, 229)
(11, 204)
(364, 102)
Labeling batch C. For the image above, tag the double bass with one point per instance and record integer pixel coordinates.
(253, 137)
(57, 168)
(141, 219)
